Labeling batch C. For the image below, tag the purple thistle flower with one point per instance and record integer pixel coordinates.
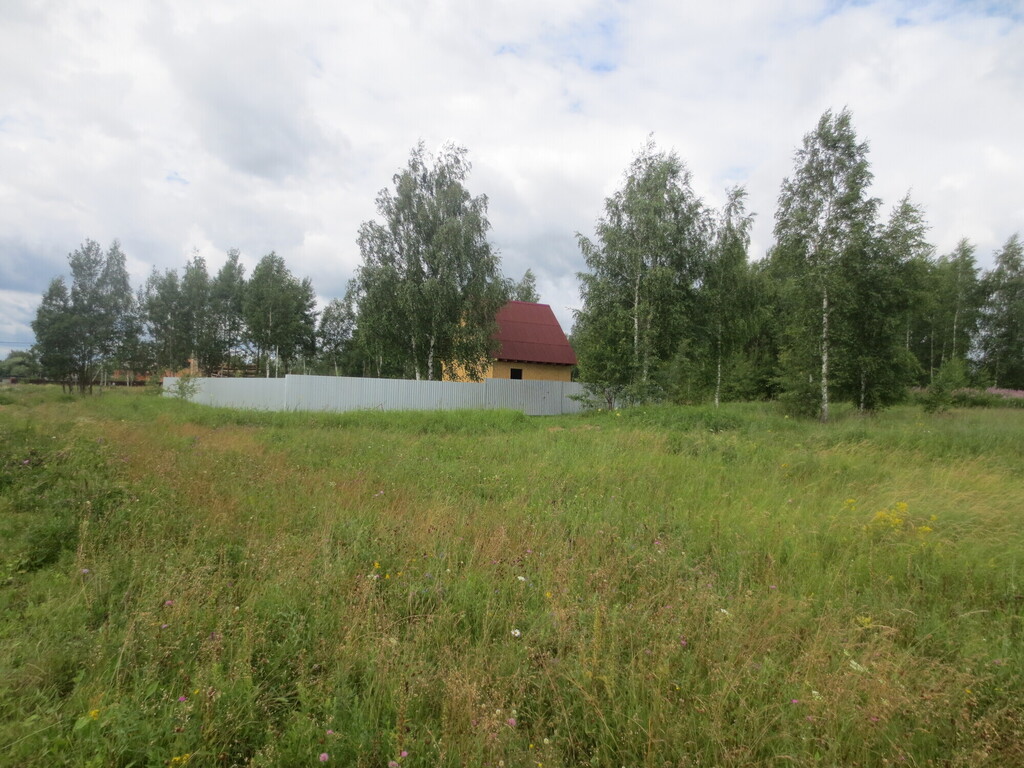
(324, 757)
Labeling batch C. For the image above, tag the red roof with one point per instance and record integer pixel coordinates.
(530, 333)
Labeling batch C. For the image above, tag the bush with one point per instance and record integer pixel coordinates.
(949, 378)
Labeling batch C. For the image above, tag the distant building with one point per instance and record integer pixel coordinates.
(531, 345)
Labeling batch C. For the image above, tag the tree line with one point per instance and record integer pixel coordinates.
(849, 305)
(424, 298)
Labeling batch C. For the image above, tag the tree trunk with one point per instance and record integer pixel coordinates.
(636, 323)
(718, 377)
(956, 318)
(824, 355)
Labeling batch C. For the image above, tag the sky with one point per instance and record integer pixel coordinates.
(181, 127)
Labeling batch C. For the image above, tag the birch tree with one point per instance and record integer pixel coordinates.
(824, 214)
(725, 286)
(334, 333)
(227, 304)
(90, 327)
(429, 286)
(639, 293)
(1002, 323)
(280, 314)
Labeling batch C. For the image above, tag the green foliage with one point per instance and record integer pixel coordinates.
(525, 289)
(639, 293)
(186, 388)
(92, 327)
(165, 320)
(824, 223)
(950, 377)
(1002, 318)
(428, 288)
(279, 312)
(335, 332)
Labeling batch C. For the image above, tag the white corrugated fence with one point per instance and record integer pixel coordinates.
(338, 393)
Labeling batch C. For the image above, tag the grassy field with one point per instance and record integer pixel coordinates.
(655, 587)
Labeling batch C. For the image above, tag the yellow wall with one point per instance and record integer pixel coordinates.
(502, 369)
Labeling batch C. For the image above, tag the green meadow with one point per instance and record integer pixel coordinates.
(659, 587)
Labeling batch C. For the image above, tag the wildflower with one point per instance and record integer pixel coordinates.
(85, 571)
(330, 732)
(521, 578)
(94, 714)
(168, 603)
(794, 701)
(516, 633)
(324, 757)
(773, 586)
(511, 722)
(164, 626)
(404, 753)
(183, 698)
(392, 764)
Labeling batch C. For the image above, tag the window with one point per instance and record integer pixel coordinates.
(517, 373)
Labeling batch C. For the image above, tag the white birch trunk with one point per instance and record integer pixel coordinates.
(824, 355)
(718, 376)
(636, 322)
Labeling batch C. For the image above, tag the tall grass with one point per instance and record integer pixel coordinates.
(661, 586)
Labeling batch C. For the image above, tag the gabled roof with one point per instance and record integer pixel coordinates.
(530, 333)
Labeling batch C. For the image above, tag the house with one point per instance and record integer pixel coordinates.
(531, 345)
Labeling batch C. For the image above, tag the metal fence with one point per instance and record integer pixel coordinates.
(335, 393)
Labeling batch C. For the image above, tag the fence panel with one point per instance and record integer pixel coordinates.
(333, 393)
(250, 394)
